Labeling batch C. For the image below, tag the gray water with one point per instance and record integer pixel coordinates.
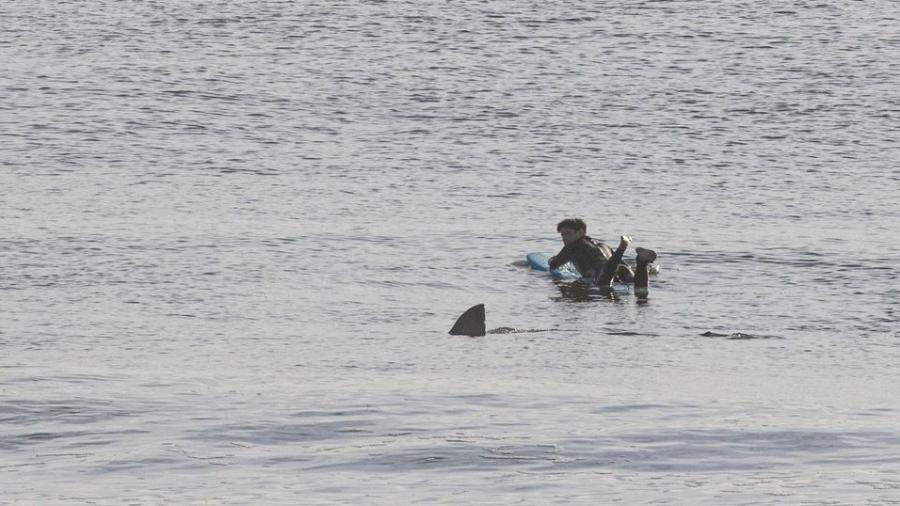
(234, 236)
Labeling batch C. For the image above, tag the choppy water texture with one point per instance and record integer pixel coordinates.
(234, 236)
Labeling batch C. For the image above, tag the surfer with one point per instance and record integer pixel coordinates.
(598, 261)
(594, 260)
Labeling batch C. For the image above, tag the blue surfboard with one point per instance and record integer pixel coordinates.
(539, 262)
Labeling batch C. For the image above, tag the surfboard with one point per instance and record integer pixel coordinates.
(539, 262)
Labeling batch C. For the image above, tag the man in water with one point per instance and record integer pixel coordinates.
(597, 261)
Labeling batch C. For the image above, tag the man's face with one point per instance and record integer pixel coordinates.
(570, 235)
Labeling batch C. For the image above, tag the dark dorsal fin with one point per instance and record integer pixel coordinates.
(470, 323)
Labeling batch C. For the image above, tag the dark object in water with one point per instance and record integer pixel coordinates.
(470, 323)
(734, 335)
(513, 330)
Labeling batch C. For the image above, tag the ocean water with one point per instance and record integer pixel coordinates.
(234, 236)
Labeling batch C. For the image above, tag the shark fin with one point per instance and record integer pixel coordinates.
(470, 323)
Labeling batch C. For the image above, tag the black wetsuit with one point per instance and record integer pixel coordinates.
(587, 255)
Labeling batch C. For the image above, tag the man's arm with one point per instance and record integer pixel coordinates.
(561, 258)
(605, 277)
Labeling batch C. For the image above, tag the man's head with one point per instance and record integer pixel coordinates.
(571, 229)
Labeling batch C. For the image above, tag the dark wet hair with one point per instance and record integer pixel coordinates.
(573, 223)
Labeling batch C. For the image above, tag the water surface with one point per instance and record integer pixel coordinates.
(234, 236)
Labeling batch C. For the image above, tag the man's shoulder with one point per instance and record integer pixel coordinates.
(589, 242)
(602, 247)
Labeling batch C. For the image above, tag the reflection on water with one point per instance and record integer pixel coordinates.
(586, 291)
